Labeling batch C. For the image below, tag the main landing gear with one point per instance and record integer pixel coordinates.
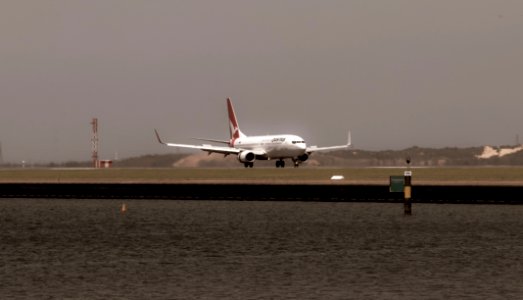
(281, 163)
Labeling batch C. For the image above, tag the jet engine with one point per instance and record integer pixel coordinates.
(246, 157)
(303, 157)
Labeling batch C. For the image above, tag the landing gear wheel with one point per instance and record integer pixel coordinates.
(280, 164)
(248, 164)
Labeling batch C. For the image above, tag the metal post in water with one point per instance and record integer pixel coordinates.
(407, 190)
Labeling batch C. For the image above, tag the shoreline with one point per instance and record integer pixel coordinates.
(455, 194)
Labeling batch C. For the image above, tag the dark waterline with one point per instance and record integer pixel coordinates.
(258, 250)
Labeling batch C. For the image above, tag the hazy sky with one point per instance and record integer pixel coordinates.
(398, 73)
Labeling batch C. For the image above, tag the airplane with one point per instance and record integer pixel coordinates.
(266, 147)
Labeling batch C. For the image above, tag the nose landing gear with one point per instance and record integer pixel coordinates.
(296, 163)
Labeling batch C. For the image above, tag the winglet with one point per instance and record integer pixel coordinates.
(158, 137)
(349, 139)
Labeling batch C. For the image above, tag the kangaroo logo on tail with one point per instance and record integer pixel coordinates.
(233, 124)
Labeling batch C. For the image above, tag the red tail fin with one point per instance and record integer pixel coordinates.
(233, 122)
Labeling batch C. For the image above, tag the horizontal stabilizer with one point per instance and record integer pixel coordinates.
(211, 140)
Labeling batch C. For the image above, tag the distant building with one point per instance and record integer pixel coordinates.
(107, 163)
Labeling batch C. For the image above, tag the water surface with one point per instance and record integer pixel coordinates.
(258, 250)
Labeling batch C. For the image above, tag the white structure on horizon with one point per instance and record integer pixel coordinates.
(489, 152)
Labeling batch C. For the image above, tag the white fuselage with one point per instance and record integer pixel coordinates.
(275, 146)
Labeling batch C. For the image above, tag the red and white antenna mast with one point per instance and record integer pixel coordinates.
(94, 141)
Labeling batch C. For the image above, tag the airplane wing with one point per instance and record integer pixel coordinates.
(207, 148)
(330, 148)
